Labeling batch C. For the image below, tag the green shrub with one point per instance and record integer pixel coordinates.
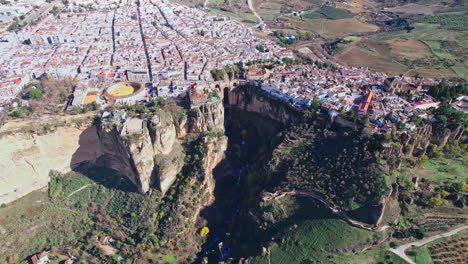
(34, 93)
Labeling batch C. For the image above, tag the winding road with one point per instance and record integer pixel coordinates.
(400, 251)
(261, 24)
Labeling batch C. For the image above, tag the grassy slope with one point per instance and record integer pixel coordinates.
(443, 169)
(421, 256)
(39, 220)
(314, 234)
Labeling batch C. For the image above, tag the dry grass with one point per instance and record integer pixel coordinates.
(399, 48)
(357, 57)
(440, 73)
(356, 6)
(340, 27)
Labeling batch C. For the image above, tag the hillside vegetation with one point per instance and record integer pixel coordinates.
(304, 237)
(341, 167)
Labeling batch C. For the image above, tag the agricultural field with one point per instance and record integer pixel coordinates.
(453, 250)
(355, 56)
(461, 70)
(405, 55)
(340, 27)
(431, 224)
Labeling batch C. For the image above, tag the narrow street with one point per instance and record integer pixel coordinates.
(148, 60)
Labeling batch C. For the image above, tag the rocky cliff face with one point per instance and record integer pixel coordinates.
(145, 152)
(130, 155)
(206, 118)
(28, 158)
(250, 99)
(148, 154)
(414, 144)
(214, 155)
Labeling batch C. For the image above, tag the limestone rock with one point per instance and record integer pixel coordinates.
(207, 117)
(28, 158)
(164, 138)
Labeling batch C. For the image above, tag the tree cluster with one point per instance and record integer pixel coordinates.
(445, 92)
(340, 167)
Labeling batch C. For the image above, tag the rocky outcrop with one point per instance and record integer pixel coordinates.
(167, 167)
(442, 135)
(149, 155)
(415, 143)
(164, 136)
(130, 155)
(206, 118)
(216, 149)
(252, 99)
(28, 158)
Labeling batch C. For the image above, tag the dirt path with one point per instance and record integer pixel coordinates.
(400, 251)
(330, 206)
(261, 24)
(81, 188)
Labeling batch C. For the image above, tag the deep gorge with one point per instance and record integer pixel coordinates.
(213, 165)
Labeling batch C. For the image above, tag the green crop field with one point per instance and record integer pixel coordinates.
(439, 51)
(461, 70)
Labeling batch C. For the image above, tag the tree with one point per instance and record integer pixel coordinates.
(315, 103)
(365, 119)
(436, 201)
(260, 48)
(287, 60)
(204, 231)
(34, 93)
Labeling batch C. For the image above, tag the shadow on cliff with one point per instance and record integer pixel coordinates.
(250, 141)
(85, 161)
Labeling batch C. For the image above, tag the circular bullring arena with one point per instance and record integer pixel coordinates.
(125, 93)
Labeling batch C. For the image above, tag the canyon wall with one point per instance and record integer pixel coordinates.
(149, 154)
(252, 99)
(411, 144)
(28, 158)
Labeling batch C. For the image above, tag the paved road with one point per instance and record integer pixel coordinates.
(44, 8)
(400, 251)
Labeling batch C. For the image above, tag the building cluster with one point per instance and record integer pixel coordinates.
(343, 89)
(9, 12)
(171, 49)
(163, 45)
